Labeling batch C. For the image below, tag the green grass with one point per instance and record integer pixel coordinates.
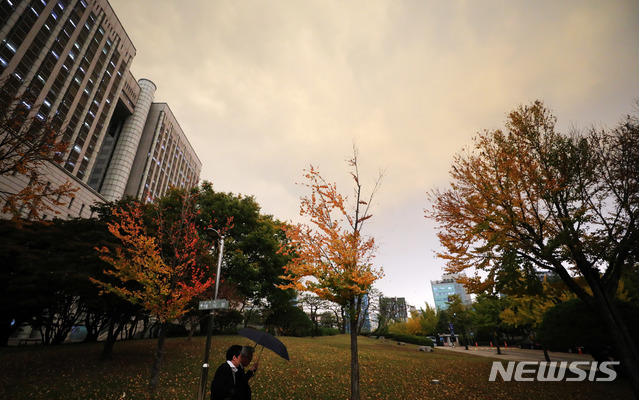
(319, 369)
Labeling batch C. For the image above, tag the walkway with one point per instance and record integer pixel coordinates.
(515, 354)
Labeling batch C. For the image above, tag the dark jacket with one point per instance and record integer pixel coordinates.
(243, 388)
(224, 385)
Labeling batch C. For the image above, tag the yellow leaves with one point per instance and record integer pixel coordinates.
(332, 258)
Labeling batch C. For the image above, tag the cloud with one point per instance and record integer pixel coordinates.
(263, 89)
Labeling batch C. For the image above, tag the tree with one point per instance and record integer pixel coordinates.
(392, 310)
(163, 267)
(289, 320)
(252, 261)
(525, 310)
(573, 324)
(28, 142)
(412, 326)
(45, 281)
(460, 316)
(314, 304)
(331, 256)
(428, 320)
(566, 203)
(486, 318)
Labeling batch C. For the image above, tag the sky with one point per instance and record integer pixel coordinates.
(265, 89)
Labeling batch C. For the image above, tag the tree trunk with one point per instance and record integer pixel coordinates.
(108, 343)
(112, 336)
(354, 356)
(194, 322)
(623, 343)
(546, 356)
(157, 362)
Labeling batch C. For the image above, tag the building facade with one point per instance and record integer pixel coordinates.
(445, 288)
(70, 62)
(393, 309)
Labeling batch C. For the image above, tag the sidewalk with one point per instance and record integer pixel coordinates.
(514, 354)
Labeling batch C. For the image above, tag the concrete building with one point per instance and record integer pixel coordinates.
(71, 58)
(393, 308)
(446, 287)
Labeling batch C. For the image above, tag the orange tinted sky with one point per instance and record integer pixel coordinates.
(263, 89)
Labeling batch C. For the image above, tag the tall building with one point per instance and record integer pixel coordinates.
(446, 287)
(393, 308)
(71, 59)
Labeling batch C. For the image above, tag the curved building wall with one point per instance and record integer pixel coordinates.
(165, 157)
(121, 163)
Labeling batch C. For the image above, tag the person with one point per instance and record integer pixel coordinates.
(244, 375)
(225, 381)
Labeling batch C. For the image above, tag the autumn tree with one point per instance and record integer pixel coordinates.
(526, 309)
(411, 326)
(157, 267)
(29, 142)
(565, 203)
(331, 256)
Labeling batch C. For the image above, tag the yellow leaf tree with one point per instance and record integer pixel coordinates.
(331, 256)
(564, 203)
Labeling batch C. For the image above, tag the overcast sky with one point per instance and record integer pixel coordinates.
(263, 89)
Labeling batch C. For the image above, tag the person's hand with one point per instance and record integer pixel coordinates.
(254, 367)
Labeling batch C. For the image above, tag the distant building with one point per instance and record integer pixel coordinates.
(365, 315)
(393, 308)
(445, 288)
(71, 58)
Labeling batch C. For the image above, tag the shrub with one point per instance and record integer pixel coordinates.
(419, 340)
(290, 321)
(323, 331)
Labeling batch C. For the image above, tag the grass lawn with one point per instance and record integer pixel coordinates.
(319, 369)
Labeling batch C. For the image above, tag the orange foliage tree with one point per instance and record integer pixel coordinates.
(157, 266)
(331, 256)
(28, 142)
(565, 203)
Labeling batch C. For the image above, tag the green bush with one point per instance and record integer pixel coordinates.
(419, 340)
(323, 331)
(290, 321)
(572, 323)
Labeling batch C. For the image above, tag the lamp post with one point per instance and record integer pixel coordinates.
(205, 365)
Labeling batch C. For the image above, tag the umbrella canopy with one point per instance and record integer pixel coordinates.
(267, 340)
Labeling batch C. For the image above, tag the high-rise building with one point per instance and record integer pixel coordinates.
(445, 288)
(71, 58)
(393, 308)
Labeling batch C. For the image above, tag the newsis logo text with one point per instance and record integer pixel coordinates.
(527, 371)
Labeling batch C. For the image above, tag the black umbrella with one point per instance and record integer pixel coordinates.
(266, 340)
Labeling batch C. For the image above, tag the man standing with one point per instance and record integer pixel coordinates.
(226, 379)
(243, 388)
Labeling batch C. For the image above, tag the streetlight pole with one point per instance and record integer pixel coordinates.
(207, 350)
